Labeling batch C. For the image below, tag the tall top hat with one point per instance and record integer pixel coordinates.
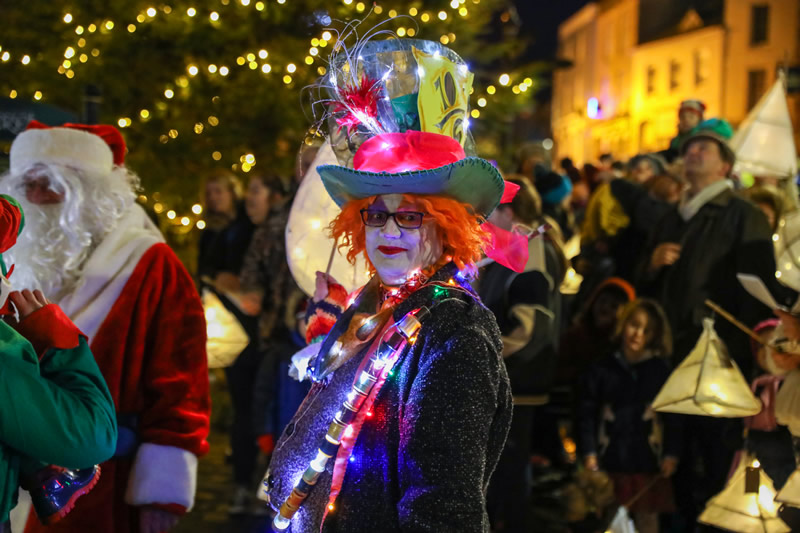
(398, 123)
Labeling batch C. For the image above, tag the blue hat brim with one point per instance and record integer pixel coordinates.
(471, 180)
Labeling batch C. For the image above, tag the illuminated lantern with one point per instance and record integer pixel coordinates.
(764, 142)
(308, 246)
(787, 403)
(225, 336)
(735, 509)
(707, 382)
(787, 252)
(790, 493)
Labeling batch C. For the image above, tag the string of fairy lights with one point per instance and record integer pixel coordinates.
(81, 53)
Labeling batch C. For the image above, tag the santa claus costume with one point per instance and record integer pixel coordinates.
(134, 299)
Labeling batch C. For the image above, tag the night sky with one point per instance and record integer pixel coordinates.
(541, 20)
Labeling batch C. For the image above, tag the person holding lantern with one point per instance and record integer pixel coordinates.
(693, 254)
(96, 253)
(410, 403)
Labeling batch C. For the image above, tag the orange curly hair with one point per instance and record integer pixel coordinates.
(457, 227)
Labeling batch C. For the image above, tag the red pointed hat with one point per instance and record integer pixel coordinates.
(95, 148)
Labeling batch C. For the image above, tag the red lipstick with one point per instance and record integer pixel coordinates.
(390, 250)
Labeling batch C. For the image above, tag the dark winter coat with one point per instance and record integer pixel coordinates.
(532, 368)
(613, 418)
(644, 212)
(726, 236)
(223, 249)
(423, 461)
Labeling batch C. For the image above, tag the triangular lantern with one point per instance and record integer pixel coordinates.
(790, 493)
(764, 142)
(735, 509)
(707, 382)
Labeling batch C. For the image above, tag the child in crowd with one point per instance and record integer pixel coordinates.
(593, 328)
(616, 427)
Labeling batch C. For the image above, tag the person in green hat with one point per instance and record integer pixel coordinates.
(57, 409)
(694, 254)
(410, 403)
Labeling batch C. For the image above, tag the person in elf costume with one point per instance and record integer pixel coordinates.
(92, 249)
(56, 405)
(410, 403)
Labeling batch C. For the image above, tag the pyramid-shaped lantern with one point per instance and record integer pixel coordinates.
(790, 493)
(707, 382)
(764, 142)
(735, 509)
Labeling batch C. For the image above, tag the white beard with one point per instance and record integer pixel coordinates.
(47, 255)
(58, 239)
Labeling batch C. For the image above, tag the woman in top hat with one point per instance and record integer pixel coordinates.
(410, 403)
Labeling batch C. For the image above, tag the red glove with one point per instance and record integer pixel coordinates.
(266, 443)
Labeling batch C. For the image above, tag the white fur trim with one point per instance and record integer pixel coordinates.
(61, 146)
(162, 474)
(108, 269)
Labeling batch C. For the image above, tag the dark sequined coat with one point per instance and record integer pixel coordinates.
(423, 461)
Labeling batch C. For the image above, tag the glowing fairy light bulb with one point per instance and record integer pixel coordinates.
(318, 464)
(280, 523)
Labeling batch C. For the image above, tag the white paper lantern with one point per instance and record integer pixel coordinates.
(790, 493)
(787, 403)
(764, 142)
(226, 338)
(308, 246)
(707, 382)
(734, 509)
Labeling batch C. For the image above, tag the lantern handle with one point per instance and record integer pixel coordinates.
(643, 490)
(730, 318)
(330, 259)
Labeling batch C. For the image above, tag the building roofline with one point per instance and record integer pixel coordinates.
(585, 15)
(675, 36)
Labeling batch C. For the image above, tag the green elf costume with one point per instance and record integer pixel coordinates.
(57, 409)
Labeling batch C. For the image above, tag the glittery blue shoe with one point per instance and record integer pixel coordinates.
(56, 490)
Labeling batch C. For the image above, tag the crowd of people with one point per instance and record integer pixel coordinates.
(654, 238)
(435, 397)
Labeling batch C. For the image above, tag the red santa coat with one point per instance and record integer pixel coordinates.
(145, 321)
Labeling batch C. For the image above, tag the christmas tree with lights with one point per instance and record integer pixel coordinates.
(203, 85)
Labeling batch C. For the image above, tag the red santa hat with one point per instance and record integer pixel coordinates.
(93, 148)
(693, 105)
